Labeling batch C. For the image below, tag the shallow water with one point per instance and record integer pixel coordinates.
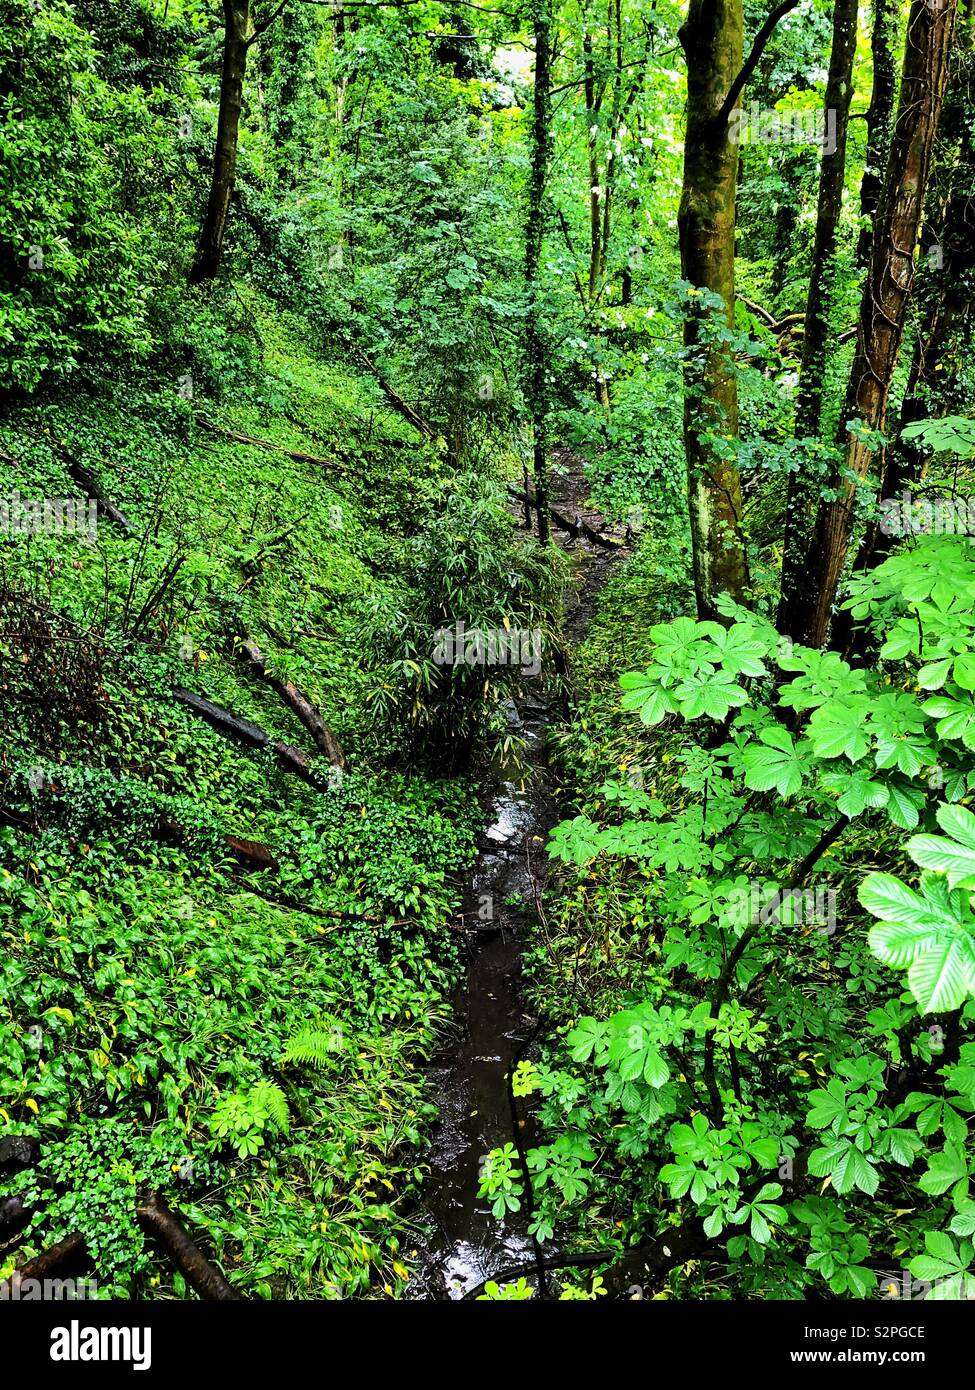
(466, 1243)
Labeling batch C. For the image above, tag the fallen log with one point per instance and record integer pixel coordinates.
(289, 758)
(47, 1264)
(252, 854)
(84, 478)
(13, 1217)
(578, 527)
(396, 400)
(298, 702)
(156, 1218)
(256, 443)
(87, 481)
(17, 1152)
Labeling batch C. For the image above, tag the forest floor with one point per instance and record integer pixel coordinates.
(493, 1025)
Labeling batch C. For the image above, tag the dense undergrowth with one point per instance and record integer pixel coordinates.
(249, 1044)
(309, 386)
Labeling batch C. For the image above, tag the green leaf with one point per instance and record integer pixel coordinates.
(944, 1170)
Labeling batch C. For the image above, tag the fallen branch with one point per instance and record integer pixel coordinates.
(256, 443)
(86, 480)
(298, 702)
(156, 1217)
(396, 400)
(776, 326)
(578, 527)
(47, 1264)
(289, 758)
(251, 853)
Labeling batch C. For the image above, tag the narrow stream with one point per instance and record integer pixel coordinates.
(466, 1244)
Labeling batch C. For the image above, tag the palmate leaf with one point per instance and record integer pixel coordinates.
(956, 718)
(847, 1167)
(775, 763)
(736, 649)
(712, 694)
(857, 792)
(945, 1169)
(943, 974)
(837, 729)
(904, 804)
(953, 856)
(930, 935)
(643, 691)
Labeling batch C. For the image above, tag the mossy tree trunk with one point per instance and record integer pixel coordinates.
(882, 312)
(712, 42)
(803, 491)
(536, 351)
(235, 45)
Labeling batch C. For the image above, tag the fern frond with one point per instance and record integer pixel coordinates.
(270, 1099)
(313, 1047)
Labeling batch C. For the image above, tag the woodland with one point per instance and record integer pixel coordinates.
(487, 649)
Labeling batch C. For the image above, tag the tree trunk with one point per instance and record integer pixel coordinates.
(948, 294)
(803, 491)
(210, 249)
(536, 353)
(882, 311)
(712, 41)
(839, 90)
(880, 116)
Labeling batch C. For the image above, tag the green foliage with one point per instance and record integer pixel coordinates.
(805, 750)
(242, 1117)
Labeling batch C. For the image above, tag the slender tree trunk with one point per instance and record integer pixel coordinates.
(536, 351)
(944, 336)
(712, 41)
(803, 491)
(880, 119)
(839, 90)
(883, 308)
(210, 249)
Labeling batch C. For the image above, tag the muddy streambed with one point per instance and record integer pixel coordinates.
(491, 1026)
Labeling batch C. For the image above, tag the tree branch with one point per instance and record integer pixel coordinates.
(753, 59)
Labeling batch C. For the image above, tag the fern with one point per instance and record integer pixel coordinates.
(243, 1116)
(314, 1047)
(269, 1102)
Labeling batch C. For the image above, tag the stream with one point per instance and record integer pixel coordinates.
(492, 1026)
